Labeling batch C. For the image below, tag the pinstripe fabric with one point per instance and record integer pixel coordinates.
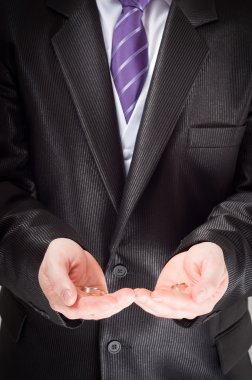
(62, 175)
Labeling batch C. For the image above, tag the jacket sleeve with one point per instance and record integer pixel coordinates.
(26, 227)
(230, 226)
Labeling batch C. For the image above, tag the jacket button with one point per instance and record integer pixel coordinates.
(120, 271)
(114, 347)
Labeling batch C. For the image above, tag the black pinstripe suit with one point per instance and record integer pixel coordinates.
(62, 175)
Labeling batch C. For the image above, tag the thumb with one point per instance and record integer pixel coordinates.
(209, 283)
(62, 286)
(69, 295)
(205, 273)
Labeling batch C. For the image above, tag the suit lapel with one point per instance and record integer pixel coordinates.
(198, 12)
(79, 47)
(181, 55)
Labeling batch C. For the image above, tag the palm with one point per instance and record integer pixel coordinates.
(65, 269)
(174, 273)
(204, 276)
(85, 271)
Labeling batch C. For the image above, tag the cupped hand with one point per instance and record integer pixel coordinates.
(65, 269)
(204, 276)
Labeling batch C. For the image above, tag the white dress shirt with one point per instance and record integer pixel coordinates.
(154, 18)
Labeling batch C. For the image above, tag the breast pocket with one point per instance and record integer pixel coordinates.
(217, 136)
(234, 343)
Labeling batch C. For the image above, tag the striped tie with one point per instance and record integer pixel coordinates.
(129, 60)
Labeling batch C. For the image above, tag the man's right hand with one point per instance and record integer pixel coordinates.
(67, 267)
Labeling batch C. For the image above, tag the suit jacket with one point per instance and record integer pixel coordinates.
(62, 175)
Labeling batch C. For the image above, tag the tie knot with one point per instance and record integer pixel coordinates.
(140, 4)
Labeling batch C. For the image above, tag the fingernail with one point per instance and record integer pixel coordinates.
(66, 294)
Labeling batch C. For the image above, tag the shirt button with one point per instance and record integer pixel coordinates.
(114, 347)
(127, 154)
(120, 271)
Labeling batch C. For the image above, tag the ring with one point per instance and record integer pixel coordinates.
(91, 291)
(180, 286)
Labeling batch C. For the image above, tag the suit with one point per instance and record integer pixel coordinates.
(62, 175)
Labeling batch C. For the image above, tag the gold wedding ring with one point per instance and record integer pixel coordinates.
(91, 291)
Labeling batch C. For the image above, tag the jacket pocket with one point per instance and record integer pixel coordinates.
(234, 342)
(13, 314)
(215, 136)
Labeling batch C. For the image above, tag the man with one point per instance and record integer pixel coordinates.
(126, 189)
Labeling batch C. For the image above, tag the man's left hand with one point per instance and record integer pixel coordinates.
(203, 274)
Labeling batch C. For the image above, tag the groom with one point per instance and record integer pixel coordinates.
(126, 165)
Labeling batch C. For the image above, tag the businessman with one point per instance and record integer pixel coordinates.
(125, 189)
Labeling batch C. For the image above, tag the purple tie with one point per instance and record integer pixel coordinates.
(129, 60)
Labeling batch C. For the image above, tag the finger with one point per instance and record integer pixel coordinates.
(145, 300)
(162, 310)
(106, 313)
(173, 304)
(141, 292)
(60, 284)
(95, 307)
(211, 280)
(219, 291)
(206, 271)
(180, 304)
(168, 314)
(148, 310)
(108, 303)
(68, 311)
